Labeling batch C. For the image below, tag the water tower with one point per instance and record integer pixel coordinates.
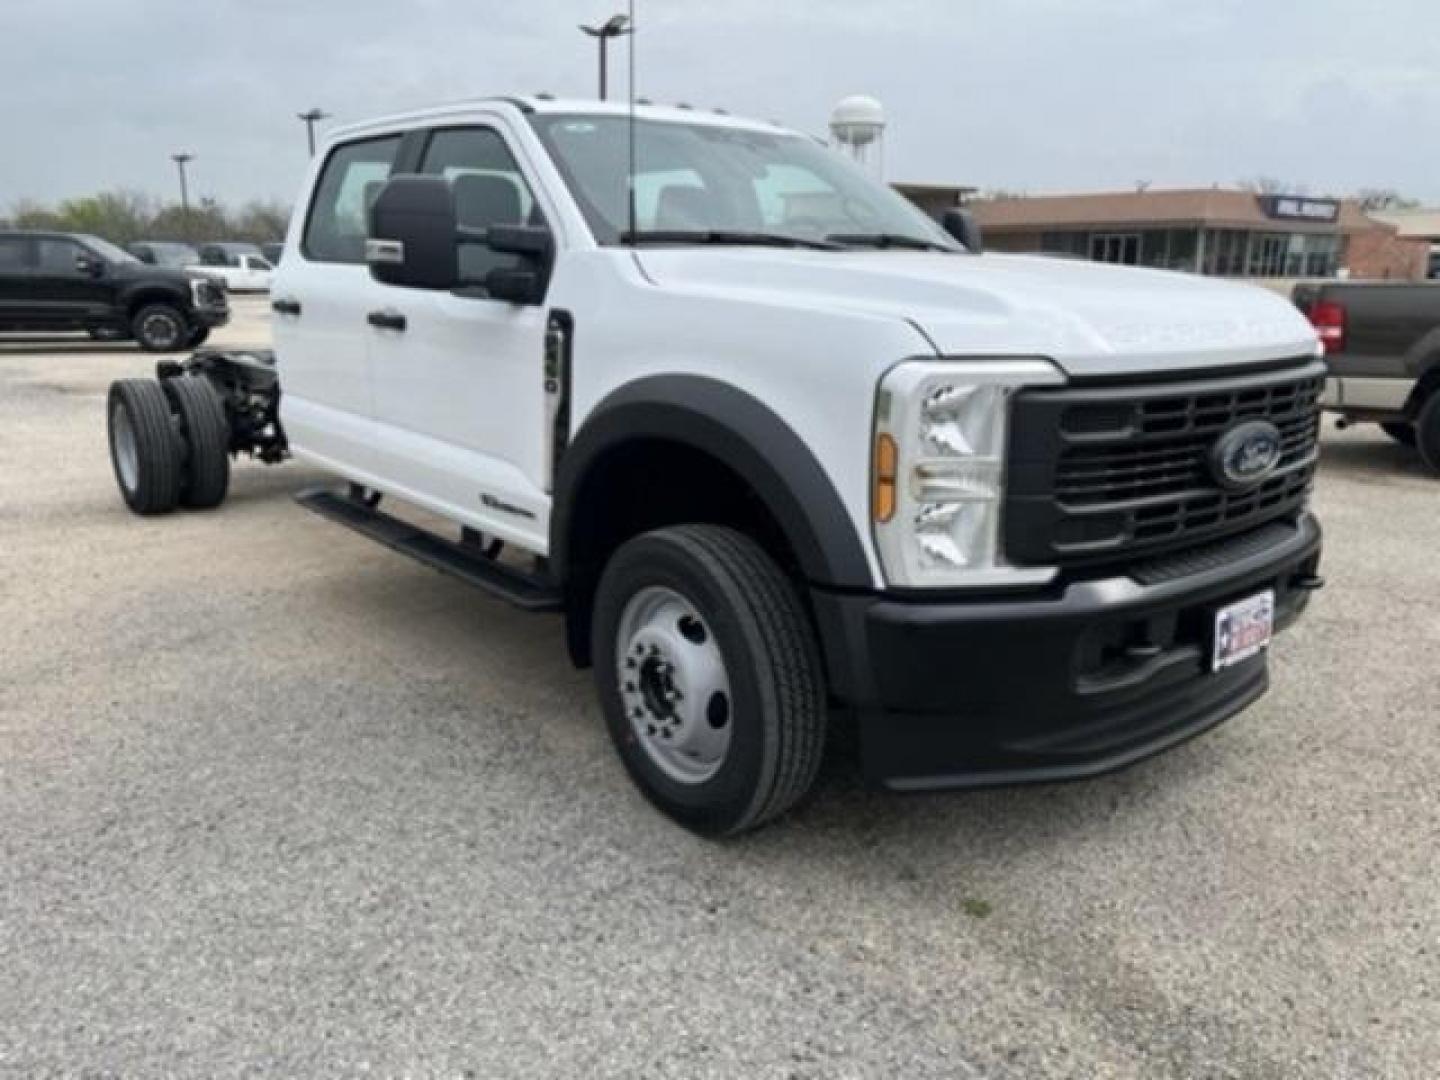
(858, 126)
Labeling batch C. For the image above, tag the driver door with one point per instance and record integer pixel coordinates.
(65, 293)
(458, 376)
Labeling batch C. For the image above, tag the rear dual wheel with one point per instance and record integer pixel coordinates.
(709, 677)
(169, 443)
(205, 436)
(144, 446)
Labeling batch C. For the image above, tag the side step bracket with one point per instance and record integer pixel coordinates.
(524, 590)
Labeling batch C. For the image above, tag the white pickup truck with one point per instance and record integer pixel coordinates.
(783, 451)
(240, 272)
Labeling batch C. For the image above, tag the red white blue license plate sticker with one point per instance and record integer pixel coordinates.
(1243, 629)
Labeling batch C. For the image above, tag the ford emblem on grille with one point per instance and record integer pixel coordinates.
(1246, 454)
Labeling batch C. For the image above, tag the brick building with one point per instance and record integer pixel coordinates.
(1209, 231)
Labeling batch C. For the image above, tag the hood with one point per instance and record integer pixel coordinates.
(139, 271)
(1090, 318)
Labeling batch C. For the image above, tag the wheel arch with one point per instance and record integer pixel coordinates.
(138, 296)
(722, 434)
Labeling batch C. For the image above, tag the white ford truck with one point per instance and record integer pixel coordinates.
(781, 449)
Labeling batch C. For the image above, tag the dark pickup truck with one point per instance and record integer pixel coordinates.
(70, 281)
(1382, 344)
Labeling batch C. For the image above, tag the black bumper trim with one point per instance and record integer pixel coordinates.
(210, 317)
(1078, 681)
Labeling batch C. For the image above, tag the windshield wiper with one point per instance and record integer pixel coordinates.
(725, 236)
(887, 240)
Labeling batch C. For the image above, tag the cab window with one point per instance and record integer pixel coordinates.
(57, 257)
(489, 189)
(12, 253)
(350, 181)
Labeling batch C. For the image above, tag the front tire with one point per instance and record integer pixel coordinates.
(144, 447)
(709, 677)
(1427, 431)
(206, 432)
(160, 328)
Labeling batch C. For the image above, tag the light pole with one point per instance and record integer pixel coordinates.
(181, 160)
(311, 118)
(616, 26)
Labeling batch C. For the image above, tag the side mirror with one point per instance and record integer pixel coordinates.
(89, 265)
(962, 226)
(413, 234)
(525, 283)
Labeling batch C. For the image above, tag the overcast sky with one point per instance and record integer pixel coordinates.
(1032, 95)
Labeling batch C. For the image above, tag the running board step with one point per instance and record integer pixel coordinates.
(449, 557)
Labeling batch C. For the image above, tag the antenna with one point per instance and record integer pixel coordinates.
(630, 178)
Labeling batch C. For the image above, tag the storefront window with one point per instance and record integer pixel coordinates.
(1225, 252)
(1115, 248)
(1065, 243)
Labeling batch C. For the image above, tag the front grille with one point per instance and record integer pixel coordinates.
(1101, 474)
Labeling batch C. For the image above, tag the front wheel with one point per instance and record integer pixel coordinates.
(160, 328)
(709, 676)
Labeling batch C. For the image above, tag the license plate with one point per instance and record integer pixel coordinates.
(1243, 629)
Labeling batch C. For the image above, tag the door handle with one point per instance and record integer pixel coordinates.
(285, 306)
(389, 319)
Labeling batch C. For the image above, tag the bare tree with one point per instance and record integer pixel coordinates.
(1371, 199)
(1271, 185)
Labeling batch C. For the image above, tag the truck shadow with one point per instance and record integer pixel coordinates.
(59, 348)
(480, 655)
(1378, 458)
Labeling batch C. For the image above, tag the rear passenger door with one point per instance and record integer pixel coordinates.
(459, 392)
(319, 302)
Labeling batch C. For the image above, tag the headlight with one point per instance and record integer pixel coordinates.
(939, 471)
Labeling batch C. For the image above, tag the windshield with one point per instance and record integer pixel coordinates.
(108, 251)
(174, 254)
(727, 182)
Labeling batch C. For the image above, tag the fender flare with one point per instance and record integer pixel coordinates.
(155, 290)
(739, 430)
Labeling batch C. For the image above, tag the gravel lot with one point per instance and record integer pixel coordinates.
(274, 800)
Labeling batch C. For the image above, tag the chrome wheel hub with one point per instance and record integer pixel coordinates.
(673, 685)
(162, 330)
(127, 457)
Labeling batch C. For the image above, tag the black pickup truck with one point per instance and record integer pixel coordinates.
(69, 281)
(1382, 344)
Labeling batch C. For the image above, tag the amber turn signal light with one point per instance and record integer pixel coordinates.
(886, 458)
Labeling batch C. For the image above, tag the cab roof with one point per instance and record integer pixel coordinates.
(568, 106)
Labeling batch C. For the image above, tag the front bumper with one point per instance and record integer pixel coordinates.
(210, 317)
(1085, 679)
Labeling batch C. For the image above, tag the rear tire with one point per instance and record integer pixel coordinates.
(1427, 432)
(206, 431)
(160, 328)
(144, 447)
(697, 631)
(1402, 433)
